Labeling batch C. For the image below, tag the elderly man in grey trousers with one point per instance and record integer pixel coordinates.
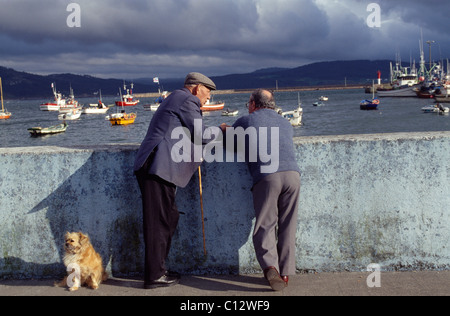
(276, 188)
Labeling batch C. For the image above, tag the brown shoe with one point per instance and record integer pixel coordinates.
(274, 278)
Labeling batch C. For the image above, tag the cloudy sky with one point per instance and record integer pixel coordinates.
(131, 39)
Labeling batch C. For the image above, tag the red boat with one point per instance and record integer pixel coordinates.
(213, 106)
(128, 98)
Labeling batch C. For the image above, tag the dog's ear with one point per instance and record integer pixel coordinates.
(83, 238)
(66, 235)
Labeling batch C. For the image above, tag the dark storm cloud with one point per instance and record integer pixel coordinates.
(142, 38)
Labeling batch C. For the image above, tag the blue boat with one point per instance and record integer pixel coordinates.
(369, 104)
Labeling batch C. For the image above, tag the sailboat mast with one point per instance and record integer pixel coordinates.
(1, 94)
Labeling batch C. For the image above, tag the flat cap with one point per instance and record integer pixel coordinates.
(195, 78)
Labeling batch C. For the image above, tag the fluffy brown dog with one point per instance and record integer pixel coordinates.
(83, 263)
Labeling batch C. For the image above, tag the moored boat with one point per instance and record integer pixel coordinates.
(4, 114)
(399, 92)
(229, 112)
(57, 102)
(436, 108)
(73, 114)
(155, 105)
(99, 108)
(40, 131)
(70, 104)
(213, 106)
(442, 98)
(295, 117)
(403, 81)
(128, 98)
(121, 118)
(369, 104)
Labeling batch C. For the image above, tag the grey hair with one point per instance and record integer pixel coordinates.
(263, 100)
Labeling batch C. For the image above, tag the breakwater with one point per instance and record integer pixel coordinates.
(285, 89)
(364, 199)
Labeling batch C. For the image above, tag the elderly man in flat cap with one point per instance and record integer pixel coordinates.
(158, 175)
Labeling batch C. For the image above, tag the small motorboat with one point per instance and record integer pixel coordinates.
(155, 106)
(99, 108)
(72, 115)
(121, 118)
(318, 103)
(213, 106)
(295, 116)
(229, 112)
(323, 98)
(41, 131)
(95, 109)
(369, 104)
(435, 108)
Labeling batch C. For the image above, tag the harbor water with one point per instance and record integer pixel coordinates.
(338, 116)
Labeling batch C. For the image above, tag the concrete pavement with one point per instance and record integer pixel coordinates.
(424, 283)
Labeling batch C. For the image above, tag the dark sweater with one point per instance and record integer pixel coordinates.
(267, 122)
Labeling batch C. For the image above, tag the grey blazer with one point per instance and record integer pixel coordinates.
(180, 109)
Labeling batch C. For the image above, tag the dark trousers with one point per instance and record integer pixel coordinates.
(160, 216)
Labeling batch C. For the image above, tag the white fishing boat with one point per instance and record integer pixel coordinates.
(323, 98)
(442, 98)
(71, 103)
(403, 81)
(57, 102)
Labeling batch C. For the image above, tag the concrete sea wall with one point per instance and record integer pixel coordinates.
(365, 199)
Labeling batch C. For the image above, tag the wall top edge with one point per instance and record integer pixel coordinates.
(116, 147)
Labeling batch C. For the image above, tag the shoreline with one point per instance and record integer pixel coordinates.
(227, 91)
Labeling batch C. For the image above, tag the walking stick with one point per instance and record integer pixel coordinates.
(201, 205)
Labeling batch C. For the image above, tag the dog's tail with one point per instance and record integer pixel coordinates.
(62, 283)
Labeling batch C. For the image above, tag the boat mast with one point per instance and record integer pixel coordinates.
(1, 93)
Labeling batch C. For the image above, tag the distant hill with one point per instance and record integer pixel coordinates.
(321, 73)
(316, 74)
(22, 85)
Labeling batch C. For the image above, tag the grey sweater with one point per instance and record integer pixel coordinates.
(271, 135)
